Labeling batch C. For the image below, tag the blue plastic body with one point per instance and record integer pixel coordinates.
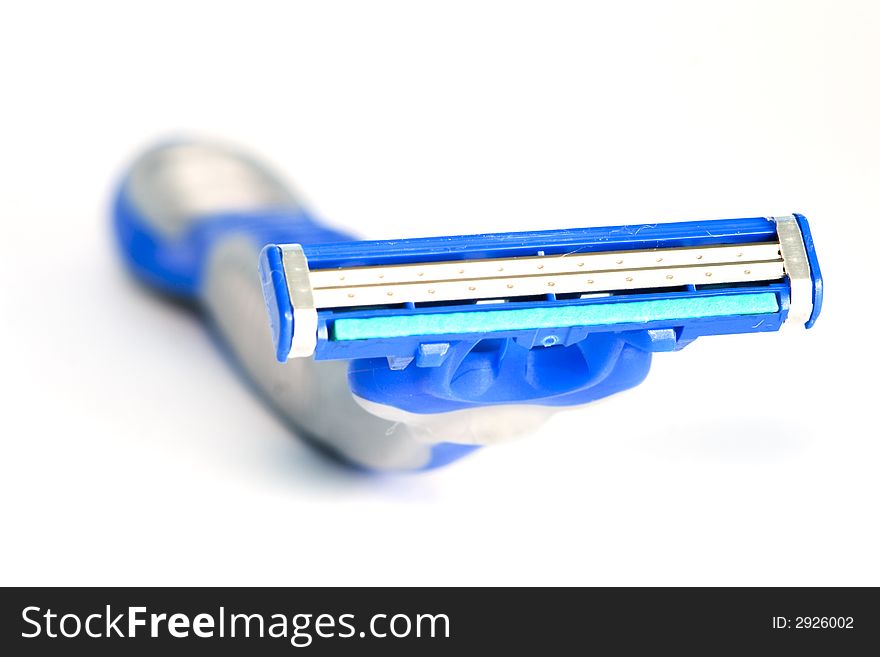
(278, 303)
(815, 272)
(173, 263)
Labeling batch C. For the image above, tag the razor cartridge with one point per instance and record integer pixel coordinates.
(540, 289)
(407, 354)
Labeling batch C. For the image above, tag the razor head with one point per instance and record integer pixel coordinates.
(407, 299)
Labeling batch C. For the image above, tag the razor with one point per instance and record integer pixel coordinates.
(407, 354)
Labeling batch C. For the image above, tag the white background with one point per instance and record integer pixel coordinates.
(131, 452)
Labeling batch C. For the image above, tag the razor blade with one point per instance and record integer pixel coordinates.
(408, 300)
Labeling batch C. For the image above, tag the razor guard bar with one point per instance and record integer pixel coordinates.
(407, 300)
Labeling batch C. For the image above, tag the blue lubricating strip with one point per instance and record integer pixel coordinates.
(550, 317)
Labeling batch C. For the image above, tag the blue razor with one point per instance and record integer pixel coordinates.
(408, 354)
